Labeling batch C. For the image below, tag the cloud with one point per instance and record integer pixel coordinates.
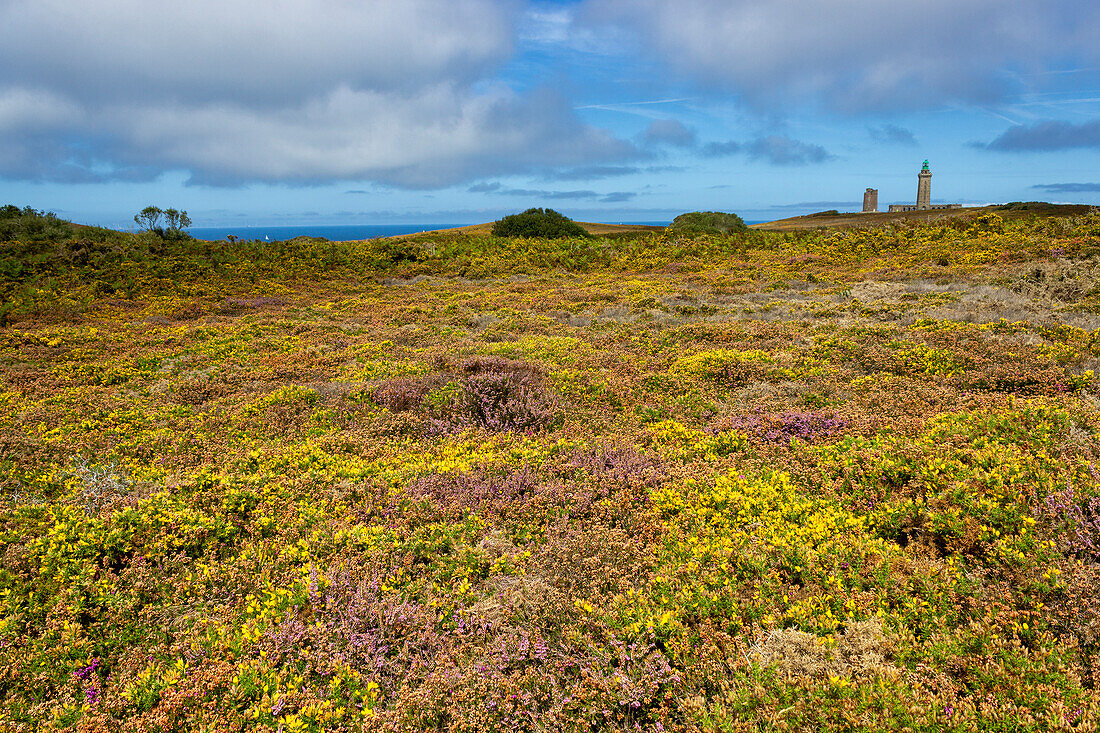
(497, 188)
(720, 149)
(782, 150)
(1069, 187)
(210, 50)
(322, 90)
(669, 132)
(1050, 135)
(857, 55)
(592, 172)
(892, 134)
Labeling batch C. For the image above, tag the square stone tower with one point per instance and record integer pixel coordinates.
(870, 200)
(924, 188)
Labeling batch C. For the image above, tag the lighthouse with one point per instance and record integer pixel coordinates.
(924, 195)
(924, 188)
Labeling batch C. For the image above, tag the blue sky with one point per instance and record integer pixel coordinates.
(459, 111)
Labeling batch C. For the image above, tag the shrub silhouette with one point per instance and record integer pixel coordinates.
(707, 222)
(538, 223)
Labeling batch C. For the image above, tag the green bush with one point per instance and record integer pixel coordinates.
(707, 222)
(545, 223)
(30, 225)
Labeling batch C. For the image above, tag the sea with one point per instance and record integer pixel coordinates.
(342, 233)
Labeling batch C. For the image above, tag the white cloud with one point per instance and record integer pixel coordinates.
(203, 50)
(437, 137)
(858, 54)
(21, 108)
(302, 91)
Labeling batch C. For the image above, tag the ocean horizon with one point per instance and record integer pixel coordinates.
(338, 233)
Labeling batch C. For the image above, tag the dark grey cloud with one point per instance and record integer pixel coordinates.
(858, 55)
(669, 132)
(1069, 187)
(782, 150)
(1049, 135)
(892, 134)
(317, 91)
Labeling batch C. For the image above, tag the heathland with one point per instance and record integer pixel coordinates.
(815, 480)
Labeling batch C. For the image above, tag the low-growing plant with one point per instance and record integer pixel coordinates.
(491, 393)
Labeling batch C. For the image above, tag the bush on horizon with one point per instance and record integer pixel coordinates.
(545, 223)
(707, 222)
(30, 225)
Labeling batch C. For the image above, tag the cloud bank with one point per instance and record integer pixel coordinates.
(857, 55)
(498, 188)
(1050, 135)
(1069, 187)
(315, 90)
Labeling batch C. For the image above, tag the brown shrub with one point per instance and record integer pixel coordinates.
(861, 649)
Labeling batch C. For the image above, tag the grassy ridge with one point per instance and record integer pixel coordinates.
(803, 481)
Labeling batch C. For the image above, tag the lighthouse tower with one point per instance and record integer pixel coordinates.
(924, 188)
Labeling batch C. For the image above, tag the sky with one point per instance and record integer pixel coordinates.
(298, 112)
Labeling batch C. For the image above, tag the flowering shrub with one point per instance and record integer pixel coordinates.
(490, 393)
(822, 480)
(787, 426)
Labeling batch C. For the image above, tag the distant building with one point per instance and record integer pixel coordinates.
(870, 200)
(924, 195)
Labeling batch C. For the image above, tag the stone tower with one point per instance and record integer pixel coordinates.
(870, 200)
(924, 188)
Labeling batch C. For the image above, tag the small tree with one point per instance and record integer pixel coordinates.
(177, 221)
(149, 219)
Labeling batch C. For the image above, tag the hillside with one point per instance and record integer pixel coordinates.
(878, 219)
(780, 480)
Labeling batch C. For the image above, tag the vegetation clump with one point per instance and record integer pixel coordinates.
(30, 225)
(707, 222)
(545, 223)
(491, 393)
